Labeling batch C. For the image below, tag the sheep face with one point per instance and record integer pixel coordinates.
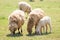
(24, 7)
(30, 25)
(13, 27)
(28, 10)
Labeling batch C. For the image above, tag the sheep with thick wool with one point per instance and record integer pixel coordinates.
(44, 22)
(25, 7)
(34, 17)
(16, 20)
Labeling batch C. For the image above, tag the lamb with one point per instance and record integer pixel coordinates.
(46, 20)
(25, 7)
(16, 20)
(34, 17)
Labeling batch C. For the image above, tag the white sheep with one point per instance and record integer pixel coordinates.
(16, 20)
(46, 20)
(25, 7)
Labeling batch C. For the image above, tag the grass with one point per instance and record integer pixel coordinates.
(51, 8)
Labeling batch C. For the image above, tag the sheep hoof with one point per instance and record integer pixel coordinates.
(29, 33)
(13, 33)
(18, 32)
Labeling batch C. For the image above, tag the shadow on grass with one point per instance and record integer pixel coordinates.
(30, 34)
(15, 35)
(38, 34)
(45, 33)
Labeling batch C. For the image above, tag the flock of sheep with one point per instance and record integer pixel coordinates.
(36, 18)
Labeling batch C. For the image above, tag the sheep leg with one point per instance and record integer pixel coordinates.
(40, 30)
(50, 27)
(18, 30)
(30, 32)
(43, 29)
(21, 30)
(46, 28)
(35, 28)
(13, 32)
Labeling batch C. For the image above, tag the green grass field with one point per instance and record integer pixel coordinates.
(51, 8)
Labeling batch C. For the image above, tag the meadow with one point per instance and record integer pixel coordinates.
(51, 8)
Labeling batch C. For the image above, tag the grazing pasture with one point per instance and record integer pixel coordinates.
(51, 8)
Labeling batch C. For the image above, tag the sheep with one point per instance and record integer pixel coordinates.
(46, 20)
(24, 6)
(34, 16)
(16, 20)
